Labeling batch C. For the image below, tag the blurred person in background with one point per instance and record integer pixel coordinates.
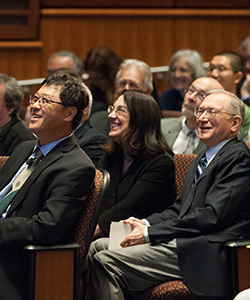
(64, 59)
(184, 66)
(243, 87)
(101, 64)
(12, 129)
(182, 133)
(133, 74)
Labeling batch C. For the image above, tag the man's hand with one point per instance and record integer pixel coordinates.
(98, 231)
(136, 237)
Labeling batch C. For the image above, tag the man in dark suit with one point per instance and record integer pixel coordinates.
(186, 240)
(89, 138)
(182, 133)
(46, 207)
(12, 130)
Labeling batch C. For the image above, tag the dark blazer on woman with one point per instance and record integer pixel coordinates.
(210, 212)
(147, 186)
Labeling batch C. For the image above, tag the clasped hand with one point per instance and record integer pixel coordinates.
(136, 237)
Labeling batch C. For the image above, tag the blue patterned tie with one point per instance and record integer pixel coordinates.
(201, 166)
(19, 181)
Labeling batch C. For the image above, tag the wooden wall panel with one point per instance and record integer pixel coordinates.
(143, 38)
(146, 3)
(152, 35)
(21, 60)
(107, 3)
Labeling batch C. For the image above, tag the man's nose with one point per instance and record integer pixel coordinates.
(214, 73)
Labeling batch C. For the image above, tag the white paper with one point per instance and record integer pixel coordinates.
(118, 231)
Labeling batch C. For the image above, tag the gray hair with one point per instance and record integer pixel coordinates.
(194, 60)
(244, 44)
(77, 62)
(148, 81)
(236, 103)
(88, 92)
(13, 94)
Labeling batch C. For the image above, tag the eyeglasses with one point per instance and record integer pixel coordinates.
(199, 95)
(219, 68)
(120, 110)
(210, 112)
(132, 85)
(42, 101)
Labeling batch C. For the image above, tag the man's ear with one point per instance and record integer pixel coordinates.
(237, 120)
(71, 112)
(10, 110)
(238, 77)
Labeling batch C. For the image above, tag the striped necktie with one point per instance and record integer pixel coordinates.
(201, 166)
(19, 181)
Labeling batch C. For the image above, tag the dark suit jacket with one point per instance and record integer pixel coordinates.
(44, 210)
(89, 139)
(170, 100)
(147, 186)
(210, 212)
(12, 134)
(99, 120)
(171, 127)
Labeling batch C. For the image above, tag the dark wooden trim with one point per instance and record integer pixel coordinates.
(189, 13)
(145, 3)
(21, 45)
(28, 29)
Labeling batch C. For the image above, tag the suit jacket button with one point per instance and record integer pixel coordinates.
(158, 241)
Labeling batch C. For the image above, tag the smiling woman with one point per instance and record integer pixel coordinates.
(139, 161)
(185, 66)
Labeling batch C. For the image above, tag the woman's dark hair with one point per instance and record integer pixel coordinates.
(143, 136)
(72, 92)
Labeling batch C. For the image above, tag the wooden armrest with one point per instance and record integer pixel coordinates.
(238, 243)
(69, 246)
(52, 271)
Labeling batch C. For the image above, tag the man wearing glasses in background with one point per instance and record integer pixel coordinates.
(182, 133)
(47, 204)
(186, 240)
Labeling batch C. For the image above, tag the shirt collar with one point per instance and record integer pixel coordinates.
(186, 129)
(213, 151)
(48, 147)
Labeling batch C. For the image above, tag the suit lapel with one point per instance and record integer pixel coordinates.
(171, 128)
(189, 185)
(15, 161)
(55, 154)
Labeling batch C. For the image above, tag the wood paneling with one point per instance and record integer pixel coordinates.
(19, 20)
(107, 3)
(146, 4)
(152, 35)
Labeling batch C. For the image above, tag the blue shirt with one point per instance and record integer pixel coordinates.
(45, 150)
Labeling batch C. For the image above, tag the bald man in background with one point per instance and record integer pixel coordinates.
(181, 133)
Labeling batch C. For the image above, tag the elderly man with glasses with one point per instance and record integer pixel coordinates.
(182, 133)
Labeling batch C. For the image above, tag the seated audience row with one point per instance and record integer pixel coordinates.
(186, 240)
